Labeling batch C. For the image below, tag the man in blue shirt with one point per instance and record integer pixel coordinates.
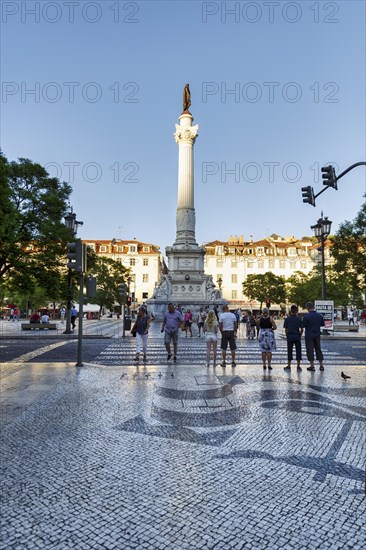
(173, 319)
(312, 323)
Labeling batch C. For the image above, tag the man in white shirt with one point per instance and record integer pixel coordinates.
(228, 327)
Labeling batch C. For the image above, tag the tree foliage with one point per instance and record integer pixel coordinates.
(349, 250)
(109, 275)
(32, 231)
(267, 285)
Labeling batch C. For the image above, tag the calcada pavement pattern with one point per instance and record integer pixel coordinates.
(170, 457)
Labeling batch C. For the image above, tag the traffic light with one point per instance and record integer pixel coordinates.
(75, 256)
(91, 287)
(129, 300)
(308, 195)
(329, 176)
(122, 289)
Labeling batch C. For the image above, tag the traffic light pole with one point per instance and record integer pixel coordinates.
(68, 305)
(123, 319)
(80, 324)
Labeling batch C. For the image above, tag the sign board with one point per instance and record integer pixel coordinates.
(326, 308)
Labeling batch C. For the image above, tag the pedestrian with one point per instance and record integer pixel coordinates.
(251, 326)
(173, 319)
(45, 319)
(74, 314)
(141, 327)
(266, 339)
(312, 323)
(201, 320)
(62, 314)
(210, 329)
(293, 328)
(351, 319)
(16, 314)
(228, 327)
(188, 321)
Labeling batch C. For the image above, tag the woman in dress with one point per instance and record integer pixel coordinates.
(210, 328)
(267, 342)
(188, 321)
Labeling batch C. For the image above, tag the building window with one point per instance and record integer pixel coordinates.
(234, 263)
(234, 294)
(231, 250)
(219, 250)
(219, 263)
(145, 277)
(145, 261)
(303, 265)
(234, 278)
(119, 248)
(91, 246)
(146, 249)
(132, 261)
(132, 277)
(260, 251)
(260, 264)
(271, 264)
(282, 264)
(133, 248)
(250, 264)
(292, 251)
(293, 265)
(103, 248)
(145, 295)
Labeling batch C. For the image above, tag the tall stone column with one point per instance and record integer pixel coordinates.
(185, 136)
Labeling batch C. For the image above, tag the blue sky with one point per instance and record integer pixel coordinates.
(108, 78)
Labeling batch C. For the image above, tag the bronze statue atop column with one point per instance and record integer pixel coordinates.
(186, 99)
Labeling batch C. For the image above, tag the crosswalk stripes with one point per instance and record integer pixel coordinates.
(193, 352)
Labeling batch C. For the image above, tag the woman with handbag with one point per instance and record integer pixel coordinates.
(188, 321)
(141, 328)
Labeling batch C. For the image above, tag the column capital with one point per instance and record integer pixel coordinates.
(185, 134)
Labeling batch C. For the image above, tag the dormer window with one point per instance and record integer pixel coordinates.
(103, 248)
(132, 249)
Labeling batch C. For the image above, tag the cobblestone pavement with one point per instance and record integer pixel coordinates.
(182, 457)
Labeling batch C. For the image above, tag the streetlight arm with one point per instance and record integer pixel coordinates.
(349, 169)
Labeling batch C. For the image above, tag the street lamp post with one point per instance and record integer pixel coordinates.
(219, 282)
(322, 231)
(71, 224)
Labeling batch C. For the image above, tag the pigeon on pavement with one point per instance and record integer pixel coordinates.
(345, 376)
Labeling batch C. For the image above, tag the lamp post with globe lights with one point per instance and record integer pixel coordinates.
(322, 231)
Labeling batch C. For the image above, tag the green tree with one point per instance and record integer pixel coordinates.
(32, 232)
(349, 252)
(267, 285)
(109, 275)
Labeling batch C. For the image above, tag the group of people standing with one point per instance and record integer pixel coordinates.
(226, 324)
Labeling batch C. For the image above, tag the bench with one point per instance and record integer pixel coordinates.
(39, 326)
(346, 328)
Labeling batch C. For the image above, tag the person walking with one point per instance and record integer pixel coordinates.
(351, 319)
(188, 321)
(228, 327)
(173, 319)
(312, 323)
(266, 338)
(210, 329)
(74, 314)
(201, 318)
(293, 328)
(141, 327)
(63, 313)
